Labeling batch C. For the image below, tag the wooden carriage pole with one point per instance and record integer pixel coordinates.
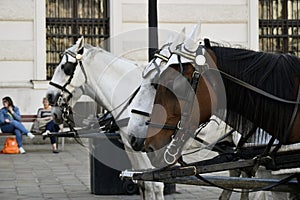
(153, 33)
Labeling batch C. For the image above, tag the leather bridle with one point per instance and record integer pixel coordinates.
(63, 102)
(63, 88)
(183, 132)
(155, 79)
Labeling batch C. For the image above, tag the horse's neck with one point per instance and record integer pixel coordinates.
(111, 80)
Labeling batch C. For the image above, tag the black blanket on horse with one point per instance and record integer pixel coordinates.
(277, 74)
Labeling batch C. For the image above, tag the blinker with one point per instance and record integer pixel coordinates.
(69, 68)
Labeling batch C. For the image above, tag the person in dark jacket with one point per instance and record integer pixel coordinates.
(10, 122)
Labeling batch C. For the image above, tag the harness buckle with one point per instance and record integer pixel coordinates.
(204, 67)
(179, 127)
(60, 101)
(196, 74)
(78, 57)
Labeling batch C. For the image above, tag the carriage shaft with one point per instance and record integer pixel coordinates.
(238, 183)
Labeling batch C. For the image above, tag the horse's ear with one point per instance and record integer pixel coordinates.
(180, 38)
(170, 39)
(207, 43)
(191, 43)
(80, 44)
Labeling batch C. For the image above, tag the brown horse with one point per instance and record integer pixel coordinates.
(261, 91)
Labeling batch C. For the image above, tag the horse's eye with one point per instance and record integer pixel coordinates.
(68, 68)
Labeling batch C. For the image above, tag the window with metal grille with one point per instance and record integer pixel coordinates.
(67, 20)
(279, 26)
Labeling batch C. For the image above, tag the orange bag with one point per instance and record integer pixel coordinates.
(10, 146)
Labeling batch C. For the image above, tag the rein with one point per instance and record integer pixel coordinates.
(112, 124)
(255, 89)
(124, 122)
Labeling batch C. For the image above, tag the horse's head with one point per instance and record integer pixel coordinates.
(176, 111)
(141, 105)
(68, 77)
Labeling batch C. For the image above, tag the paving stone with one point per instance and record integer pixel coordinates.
(42, 175)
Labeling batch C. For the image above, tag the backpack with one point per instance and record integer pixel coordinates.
(10, 146)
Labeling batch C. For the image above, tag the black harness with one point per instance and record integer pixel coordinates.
(155, 79)
(110, 123)
(182, 130)
(69, 69)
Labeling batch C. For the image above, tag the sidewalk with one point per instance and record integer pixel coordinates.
(40, 174)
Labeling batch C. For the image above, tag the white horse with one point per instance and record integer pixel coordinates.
(110, 81)
(142, 104)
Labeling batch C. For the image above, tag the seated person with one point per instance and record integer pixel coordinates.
(44, 123)
(10, 122)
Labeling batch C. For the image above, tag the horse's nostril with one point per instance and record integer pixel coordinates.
(134, 143)
(52, 98)
(133, 140)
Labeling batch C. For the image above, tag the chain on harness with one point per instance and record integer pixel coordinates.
(183, 131)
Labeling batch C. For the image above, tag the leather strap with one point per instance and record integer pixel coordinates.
(139, 112)
(161, 126)
(255, 89)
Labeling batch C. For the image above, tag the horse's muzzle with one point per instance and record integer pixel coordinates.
(52, 98)
(136, 143)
